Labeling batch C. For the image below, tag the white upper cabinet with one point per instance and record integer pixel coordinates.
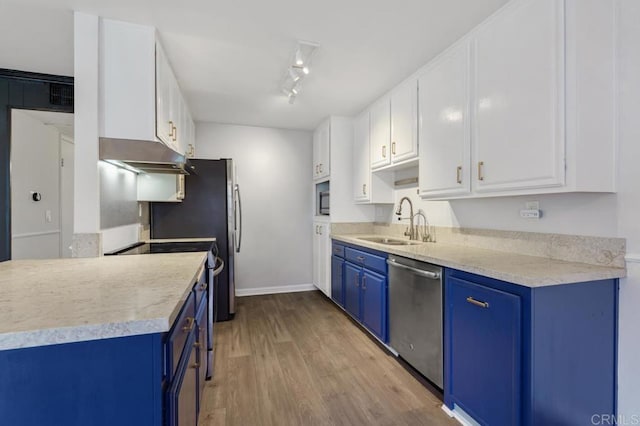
(380, 135)
(164, 95)
(139, 94)
(361, 161)
(539, 76)
(321, 151)
(368, 188)
(444, 125)
(519, 98)
(404, 117)
(173, 120)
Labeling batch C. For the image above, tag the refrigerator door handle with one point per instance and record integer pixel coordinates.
(238, 218)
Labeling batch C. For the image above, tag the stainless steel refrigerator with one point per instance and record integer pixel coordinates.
(211, 208)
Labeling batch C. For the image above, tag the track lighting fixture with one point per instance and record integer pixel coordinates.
(299, 67)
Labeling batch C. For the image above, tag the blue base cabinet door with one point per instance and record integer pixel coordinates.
(374, 302)
(337, 280)
(485, 344)
(352, 289)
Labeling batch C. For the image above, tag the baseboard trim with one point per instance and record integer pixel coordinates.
(459, 415)
(257, 291)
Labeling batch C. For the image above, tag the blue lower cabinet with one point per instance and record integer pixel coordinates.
(183, 394)
(516, 355)
(337, 280)
(359, 284)
(484, 327)
(352, 289)
(374, 302)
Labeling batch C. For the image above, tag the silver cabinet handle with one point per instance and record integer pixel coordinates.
(480, 174)
(364, 189)
(320, 229)
(426, 274)
(459, 174)
(477, 302)
(320, 167)
(364, 282)
(360, 259)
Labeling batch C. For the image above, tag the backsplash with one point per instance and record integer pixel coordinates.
(571, 248)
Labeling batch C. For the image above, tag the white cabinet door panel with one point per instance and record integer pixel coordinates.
(519, 98)
(404, 127)
(380, 135)
(361, 160)
(444, 126)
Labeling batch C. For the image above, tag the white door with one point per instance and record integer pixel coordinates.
(66, 196)
(380, 135)
(519, 98)
(444, 126)
(361, 161)
(404, 126)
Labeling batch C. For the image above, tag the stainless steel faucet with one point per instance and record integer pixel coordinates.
(411, 232)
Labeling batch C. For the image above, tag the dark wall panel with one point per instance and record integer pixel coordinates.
(23, 90)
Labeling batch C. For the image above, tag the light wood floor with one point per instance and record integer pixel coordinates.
(296, 359)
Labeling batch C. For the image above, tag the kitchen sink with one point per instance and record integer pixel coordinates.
(389, 241)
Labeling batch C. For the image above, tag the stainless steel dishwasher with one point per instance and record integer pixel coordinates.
(415, 315)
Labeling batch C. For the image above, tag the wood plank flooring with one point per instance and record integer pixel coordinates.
(296, 359)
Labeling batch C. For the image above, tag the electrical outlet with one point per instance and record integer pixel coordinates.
(47, 216)
(532, 205)
(530, 214)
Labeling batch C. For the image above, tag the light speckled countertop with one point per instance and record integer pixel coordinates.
(529, 271)
(45, 302)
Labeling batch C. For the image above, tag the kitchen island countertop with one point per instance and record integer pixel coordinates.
(45, 302)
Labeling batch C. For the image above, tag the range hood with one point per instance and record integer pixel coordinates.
(144, 156)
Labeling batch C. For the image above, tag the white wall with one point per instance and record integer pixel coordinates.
(35, 153)
(628, 204)
(274, 174)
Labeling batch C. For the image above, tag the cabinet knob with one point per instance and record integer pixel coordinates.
(190, 323)
(360, 259)
(197, 345)
(203, 286)
(480, 166)
(459, 174)
(320, 167)
(317, 169)
(196, 365)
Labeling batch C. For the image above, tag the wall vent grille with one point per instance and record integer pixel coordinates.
(60, 94)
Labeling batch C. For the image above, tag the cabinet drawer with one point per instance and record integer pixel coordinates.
(201, 348)
(178, 335)
(183, 393)
(200, 288)
(367, 260)
(337, 250)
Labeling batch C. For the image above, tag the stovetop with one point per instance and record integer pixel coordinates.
(153, 248)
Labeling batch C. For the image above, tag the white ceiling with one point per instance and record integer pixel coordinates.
(230, 57)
